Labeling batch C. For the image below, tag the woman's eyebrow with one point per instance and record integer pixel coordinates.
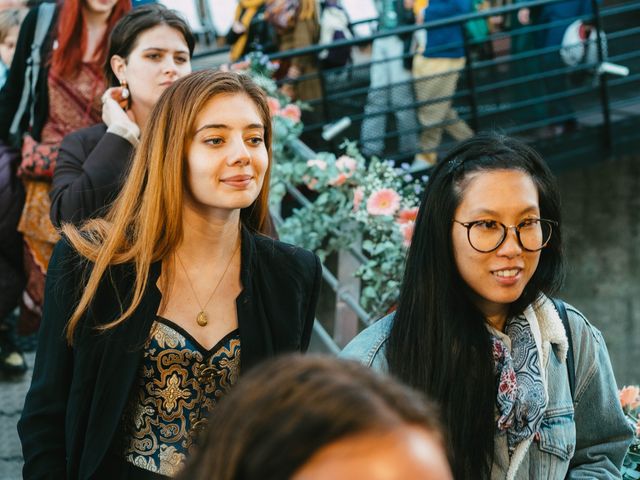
(487, 211)
(222, 126)
(159, 49)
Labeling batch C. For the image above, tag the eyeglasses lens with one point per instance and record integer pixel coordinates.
(487, 236)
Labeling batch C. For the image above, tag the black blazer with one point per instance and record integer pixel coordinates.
(89, 174)
(11, 92)
(77, 394)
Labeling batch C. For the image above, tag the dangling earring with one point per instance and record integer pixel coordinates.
(125, 90)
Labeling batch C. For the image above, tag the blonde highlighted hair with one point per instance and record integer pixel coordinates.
(144, 225)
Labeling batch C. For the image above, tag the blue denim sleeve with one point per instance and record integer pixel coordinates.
(368, 347)
(602, 431)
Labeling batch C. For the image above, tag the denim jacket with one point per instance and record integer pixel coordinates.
(586, 438)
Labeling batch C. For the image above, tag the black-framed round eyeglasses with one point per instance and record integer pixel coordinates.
(485, 236)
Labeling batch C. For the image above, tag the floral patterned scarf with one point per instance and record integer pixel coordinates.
(521, 397)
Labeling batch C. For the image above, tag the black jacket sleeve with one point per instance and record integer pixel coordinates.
(42, 425)
(89, 174)
(310, 314)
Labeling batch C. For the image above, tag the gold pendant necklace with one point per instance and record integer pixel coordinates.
(201, 318)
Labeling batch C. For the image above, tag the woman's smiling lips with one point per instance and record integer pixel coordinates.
(507, 276)
(237, 181)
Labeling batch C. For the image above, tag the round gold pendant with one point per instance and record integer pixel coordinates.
(202, 319)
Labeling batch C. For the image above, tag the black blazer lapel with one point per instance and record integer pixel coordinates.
(255, 335)
(118, 369)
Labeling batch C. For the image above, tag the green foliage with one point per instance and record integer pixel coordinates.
(355, 201)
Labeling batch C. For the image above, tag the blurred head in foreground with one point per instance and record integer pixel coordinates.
(311, 417)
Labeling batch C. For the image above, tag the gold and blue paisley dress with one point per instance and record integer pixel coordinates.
(179, 383)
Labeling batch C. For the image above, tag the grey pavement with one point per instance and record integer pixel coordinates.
(12, 393)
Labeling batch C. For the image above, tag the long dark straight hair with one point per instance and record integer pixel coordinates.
(439, 343)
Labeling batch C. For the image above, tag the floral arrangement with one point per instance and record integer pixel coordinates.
(630, 401)
(373, 204)
(370, 205)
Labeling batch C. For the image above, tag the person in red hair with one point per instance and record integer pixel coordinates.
(66, 97)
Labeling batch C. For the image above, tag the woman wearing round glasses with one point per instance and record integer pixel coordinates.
(475, 328)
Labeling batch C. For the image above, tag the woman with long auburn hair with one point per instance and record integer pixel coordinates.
(522, 396)
(152, 313)
(63, 98)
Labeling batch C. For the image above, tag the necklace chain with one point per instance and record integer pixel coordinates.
(201, 317)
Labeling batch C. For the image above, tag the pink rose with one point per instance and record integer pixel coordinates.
(242, 65)
(274, 105)
(358, 195)
(339, 180)
(408, 215)
(310, 182)
(317, 163)
(385, 201)
(630, 397)
(347, 165)
(407, 232)
(291, 111)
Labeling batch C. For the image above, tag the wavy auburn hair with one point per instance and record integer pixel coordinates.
(72, 36)
(144, 225)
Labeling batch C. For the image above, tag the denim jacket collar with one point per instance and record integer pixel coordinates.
(546, 323)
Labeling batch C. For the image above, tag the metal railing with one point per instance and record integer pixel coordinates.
(485, 98)
(492, 92)
(347, 321)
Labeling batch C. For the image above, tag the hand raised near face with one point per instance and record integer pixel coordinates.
(114, 109)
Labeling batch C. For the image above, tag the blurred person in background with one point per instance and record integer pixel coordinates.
(317, 418)
(436, 73)
(12, 196)
(390, 84)
(149, 49)
(523, 397)
(304, 32)
(66, 98)
(250, 31)
(152, 312)
(560, 15)
(299, 75)
(524, 42)
(10, 21)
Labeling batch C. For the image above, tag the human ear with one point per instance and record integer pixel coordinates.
(119, 67)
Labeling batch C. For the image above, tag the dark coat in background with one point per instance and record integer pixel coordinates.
(11, 202)
(92, 165)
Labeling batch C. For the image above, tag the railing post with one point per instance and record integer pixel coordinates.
(602, 77)
(346, 319)
(473, 96)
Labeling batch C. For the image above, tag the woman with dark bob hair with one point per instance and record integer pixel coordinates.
(475, 328)
(149, 49)
(317, 417)
(153, 312)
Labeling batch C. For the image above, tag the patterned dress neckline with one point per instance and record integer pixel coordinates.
(179, 384)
